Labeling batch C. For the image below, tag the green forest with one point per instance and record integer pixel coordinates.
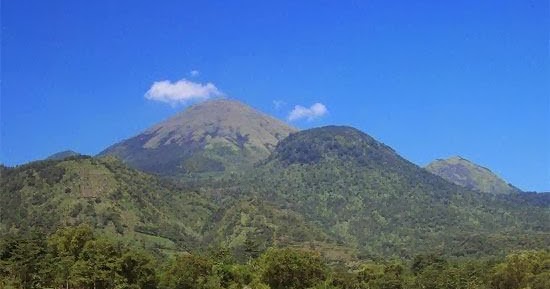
(330, 208)
(77, 257)
(274, 144)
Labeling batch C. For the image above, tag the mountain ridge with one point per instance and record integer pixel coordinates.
(101, 192)
(334, 187)
(466, 173)
(63, 154)
(361, 192)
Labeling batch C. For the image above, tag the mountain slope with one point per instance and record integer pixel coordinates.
(361, 193)
(465, 173)
(133, 205)
(330, 187)
(213, 136)
(62, 154)
(104, 193)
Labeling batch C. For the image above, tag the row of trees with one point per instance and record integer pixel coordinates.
(75, 257)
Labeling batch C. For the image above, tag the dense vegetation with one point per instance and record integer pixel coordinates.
(361, 194)
(77, 257)
(334, 189)
(104, 193)
(330, 208)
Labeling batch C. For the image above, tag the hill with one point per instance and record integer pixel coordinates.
(138, 207)
(335, 189)
(211, 137)
(362, 194)
(63, 154)
(103, 192)
(470, 175)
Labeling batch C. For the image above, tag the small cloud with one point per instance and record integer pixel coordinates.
(278, 104)
(194, 73)
(181, 91)
(315, 111)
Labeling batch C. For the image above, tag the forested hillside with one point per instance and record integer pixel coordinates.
(344, 208)
(332, 188)
(104, 193)
(363, 194)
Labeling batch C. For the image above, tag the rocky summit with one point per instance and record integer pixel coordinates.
(211, 137)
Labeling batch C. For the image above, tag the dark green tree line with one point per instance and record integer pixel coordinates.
(78, 257)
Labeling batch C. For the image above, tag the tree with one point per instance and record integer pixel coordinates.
(65, 246)
(138, 269)
(189, 272)
(420, 262)
(291, 269)
(97, 265)
(526, 269)
(23, 260)
(251, 247)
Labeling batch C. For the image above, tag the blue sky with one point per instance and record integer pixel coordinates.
(430, 78)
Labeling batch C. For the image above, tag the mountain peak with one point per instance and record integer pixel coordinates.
(62, 155)
(212, 136)
(466, 173)
(218, 117)
(333, 143)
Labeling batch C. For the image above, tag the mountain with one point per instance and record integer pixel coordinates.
(129, 204)
(105, 193)
(62, 154)
(361, 193)
(470, 175)
(334, 188)
(213, 136)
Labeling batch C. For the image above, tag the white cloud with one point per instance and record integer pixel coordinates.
(181, 91)
(194, 73)
(315, 111)
(278, 104)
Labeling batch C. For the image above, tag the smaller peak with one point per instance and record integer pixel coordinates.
(466, 173)
(459, 159)
(327, 133)
(63, 155)
(343, 143)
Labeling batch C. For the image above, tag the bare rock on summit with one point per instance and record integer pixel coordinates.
(212, 136)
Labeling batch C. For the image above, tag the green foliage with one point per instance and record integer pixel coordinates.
(189, 272)
(105, 194)
(333, 187)
(23, 261)
(291, 269)
(361, 194)
(529, 269)
(138, 268)
(73, 257)
(79, 257)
